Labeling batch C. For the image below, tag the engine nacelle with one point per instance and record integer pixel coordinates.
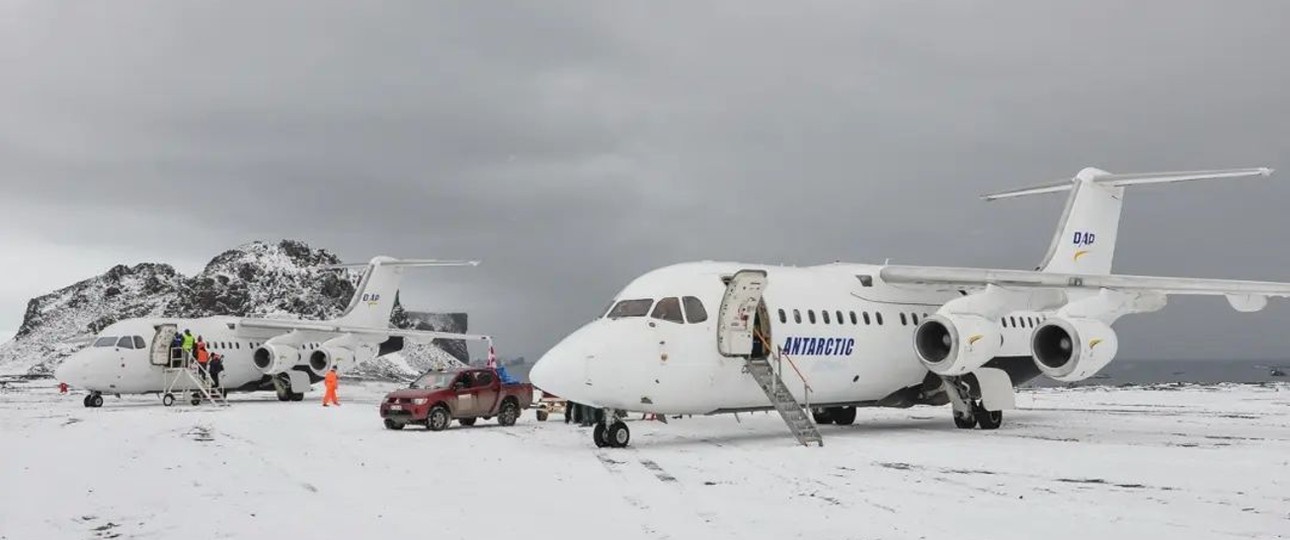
(273, 358)
(954, 345)
(323, 358)
(1071, 350)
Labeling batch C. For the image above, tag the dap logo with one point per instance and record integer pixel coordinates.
(371, 298)
(1082, 241)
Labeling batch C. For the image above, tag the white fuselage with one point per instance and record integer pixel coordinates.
(119, 369)
(643, 363)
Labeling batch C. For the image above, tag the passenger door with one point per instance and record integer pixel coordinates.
(486, 393)
(464, 390)
(738, 313)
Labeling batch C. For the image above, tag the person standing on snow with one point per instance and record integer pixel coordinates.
(331, 381)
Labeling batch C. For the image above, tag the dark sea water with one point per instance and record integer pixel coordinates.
(1123, 372)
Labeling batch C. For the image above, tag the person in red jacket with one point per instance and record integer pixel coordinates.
(331, 381)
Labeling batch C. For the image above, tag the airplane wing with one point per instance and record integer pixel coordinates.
(1237, 291)
(418, 336)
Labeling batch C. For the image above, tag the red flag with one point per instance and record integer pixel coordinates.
(492, 357)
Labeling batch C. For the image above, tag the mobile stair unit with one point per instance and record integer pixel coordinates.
(182, 374)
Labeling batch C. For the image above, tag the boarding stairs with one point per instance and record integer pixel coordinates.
(182, 373)
(767, 374)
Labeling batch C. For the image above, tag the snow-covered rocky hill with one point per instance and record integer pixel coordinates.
(282, 280)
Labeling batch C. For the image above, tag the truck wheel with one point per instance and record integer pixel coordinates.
(438, 418)
(509, 414)
(542, 416)
(466, 421)
(391, 424)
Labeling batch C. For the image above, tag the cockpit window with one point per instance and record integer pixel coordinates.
(138, 342)
(105, 342)
(668, 309)
(631, 308)
(695, 313)
(125, 343)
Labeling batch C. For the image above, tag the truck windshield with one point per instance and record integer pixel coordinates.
(435, 379)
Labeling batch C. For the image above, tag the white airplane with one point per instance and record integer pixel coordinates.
(134, 356)
(721, 337)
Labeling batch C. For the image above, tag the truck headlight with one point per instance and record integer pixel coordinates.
(420, 401)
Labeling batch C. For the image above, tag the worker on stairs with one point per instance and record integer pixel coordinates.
(216, 366)
(203, 356)
(187, 345)
(331, 381)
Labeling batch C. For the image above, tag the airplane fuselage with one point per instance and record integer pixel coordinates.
(849, 335)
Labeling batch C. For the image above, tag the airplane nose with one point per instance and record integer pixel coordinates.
(71, 370)
(562, 370)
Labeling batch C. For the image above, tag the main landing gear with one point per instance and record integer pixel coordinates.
(969, 408)
(611, 432)
(93, 400)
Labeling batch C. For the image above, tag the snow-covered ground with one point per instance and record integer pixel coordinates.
(1195, 462)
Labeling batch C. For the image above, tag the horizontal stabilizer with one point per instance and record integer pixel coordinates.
(1104, 178)
(386, 261)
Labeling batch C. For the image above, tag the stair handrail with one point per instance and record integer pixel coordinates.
(807, 390)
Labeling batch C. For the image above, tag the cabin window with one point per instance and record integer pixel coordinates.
(877, 317)
(797, 316)
(631, 308)
(1013, 320)
(105, 342)
(825, 315)
(853, 318)
(810, 314)
(783, 317)
(865, 280)
(839, 317)
(914, 317)
(866, 318)
(138, 342)
(668, 309)
(903, 321)
(695, 312)
(125, 343)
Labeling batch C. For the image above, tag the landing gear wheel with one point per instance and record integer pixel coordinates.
(989, 419)
(542, 416)
(964, 422)
(598, 435)
(466, 421)
(284, 392)
(438, 418)
(821, 416)
(844, 416)
(509, 414)
(95, 400)
(391, 424)
(617, 435)
(86, 401)
(297, 396)
(168, 399)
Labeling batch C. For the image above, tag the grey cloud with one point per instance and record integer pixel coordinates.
(575, 145)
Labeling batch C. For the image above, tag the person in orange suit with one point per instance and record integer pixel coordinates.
(331, 380)
(203, 356)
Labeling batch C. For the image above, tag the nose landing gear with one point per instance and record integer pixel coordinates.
(94, 400)
(611, 432)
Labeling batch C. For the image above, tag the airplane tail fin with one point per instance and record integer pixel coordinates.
(373, 300)
(1086, 233)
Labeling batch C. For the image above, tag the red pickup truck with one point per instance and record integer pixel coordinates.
(436, 398)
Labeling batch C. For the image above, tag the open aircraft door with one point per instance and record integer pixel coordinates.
(737, 318)
(159, 354)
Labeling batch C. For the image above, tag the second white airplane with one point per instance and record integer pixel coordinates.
(719, 337)
(134, 356)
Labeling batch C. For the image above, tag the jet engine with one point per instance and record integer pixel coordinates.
(274, 358)
(955, 344)
(1070, 350)
(323, 358)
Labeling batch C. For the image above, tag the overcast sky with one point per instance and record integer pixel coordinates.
(575, 145)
